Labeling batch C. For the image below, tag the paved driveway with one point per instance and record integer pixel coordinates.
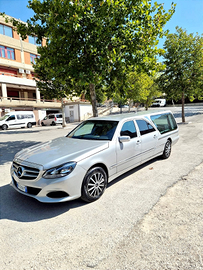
(76, 235)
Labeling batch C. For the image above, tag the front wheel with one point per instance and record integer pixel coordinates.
(4, 127)
(94, 184)
(29, 125)
(167, 150)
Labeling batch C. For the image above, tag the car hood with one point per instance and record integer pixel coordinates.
(60, 151)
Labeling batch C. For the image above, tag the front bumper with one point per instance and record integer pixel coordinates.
(51, 190)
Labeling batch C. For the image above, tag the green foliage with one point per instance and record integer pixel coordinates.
(142, 88)
(93, 42)
(183, 73)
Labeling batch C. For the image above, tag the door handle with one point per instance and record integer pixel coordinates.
(138, 141)
(155, 136)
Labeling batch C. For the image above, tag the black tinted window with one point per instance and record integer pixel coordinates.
(12, 117)
(51, 116)
(144, 127)
(128, 129)
(59, 116)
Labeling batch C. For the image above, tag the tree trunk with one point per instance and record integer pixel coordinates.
(93, 99)
(63, 113)
(183, 107)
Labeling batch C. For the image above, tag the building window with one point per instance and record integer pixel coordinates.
(33, 57)
(6, 52)
(6, 30)
(33, 40)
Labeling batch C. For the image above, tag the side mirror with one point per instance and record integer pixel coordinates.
(123, 139)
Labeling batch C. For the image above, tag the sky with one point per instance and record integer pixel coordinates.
(188, 15)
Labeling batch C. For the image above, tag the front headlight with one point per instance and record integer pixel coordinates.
(60, 171)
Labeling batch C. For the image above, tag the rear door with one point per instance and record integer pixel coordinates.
(149, 139)
(128, 153)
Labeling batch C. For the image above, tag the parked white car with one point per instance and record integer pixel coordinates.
(17, 119)
(97, 151)
(159, 102)
(52, 119)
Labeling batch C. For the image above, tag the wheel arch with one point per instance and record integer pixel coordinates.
(103, 166)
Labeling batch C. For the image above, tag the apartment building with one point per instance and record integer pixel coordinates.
(18, 90)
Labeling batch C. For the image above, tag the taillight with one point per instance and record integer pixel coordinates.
(55, 118)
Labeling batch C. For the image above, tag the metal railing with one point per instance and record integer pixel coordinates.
(29, 99)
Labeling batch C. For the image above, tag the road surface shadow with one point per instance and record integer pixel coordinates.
(187, 114)
(132, 171)
(10, 148)
(19, 131)
(17, 207)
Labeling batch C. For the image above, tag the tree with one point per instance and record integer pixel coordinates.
(142, 88)
(92, 41)
(183, 73)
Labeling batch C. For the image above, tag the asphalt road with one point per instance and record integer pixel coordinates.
(76, 235)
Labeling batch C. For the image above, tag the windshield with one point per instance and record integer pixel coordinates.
(94, 130)
(4, 117)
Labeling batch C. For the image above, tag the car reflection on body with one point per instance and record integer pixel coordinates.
(93, 154)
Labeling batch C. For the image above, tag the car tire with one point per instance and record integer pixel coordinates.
(94, 184)
(42, 123)
(29, 125)
(53, 123)
(4, 127)
(167, 150)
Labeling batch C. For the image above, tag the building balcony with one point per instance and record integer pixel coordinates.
(8, 102)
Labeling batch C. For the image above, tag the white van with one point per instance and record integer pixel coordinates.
(159, 102)
(18, 119)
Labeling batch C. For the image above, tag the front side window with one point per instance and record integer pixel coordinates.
(164, 122)
(6, 30)
(144, 127)
(94, 130)
(12, 117)
(7, 52)
(128, 129)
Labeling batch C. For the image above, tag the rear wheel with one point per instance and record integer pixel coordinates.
(53, 123)
(167, 150)
(29, 125)
(4, 127)
(94, 184)
(42, 123)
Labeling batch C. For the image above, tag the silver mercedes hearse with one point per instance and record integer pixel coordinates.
(97, 151)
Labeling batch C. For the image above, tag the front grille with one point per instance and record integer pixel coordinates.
(30, 190)
(25, 172)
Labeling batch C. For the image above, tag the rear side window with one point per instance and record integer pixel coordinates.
(51, 116)
(128, 129)
(20, 116)
(144, 127)
(164, 122)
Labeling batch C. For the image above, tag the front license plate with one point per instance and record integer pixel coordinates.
(22, 188)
